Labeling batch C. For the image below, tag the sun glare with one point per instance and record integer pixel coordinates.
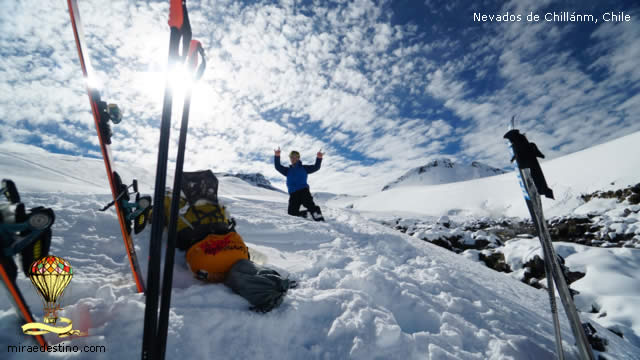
(94, 82)
(152, 83)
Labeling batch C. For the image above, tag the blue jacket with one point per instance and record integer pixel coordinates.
(296, 174)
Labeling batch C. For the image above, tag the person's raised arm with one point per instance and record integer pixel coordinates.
(315, 167)
(276, 161)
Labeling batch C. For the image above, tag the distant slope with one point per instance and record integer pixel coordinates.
(256, 179)
(606, 166)
(36, 170)
(443, 171)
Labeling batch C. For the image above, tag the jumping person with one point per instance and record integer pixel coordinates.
(297, 186)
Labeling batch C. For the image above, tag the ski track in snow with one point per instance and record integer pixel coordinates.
(49, 169)
(366, 292)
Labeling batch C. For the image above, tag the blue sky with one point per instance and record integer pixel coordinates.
(380, 86)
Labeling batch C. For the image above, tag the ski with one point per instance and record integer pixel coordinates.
(531, 179)
(129, 212)
(26, 233)
(155, 329)
(8, 273)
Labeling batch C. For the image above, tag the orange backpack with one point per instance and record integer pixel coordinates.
(211, 258)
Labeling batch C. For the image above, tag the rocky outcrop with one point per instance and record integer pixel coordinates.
(256, 179)
(631, 194)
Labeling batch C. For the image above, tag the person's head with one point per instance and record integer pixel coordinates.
(294, 157)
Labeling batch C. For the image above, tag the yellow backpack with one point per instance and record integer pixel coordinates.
(204, 229)
(197, 221)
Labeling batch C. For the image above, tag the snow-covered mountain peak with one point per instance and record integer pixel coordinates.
(441, 171)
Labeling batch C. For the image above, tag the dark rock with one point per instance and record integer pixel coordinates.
(479, 244)
(573, 276)
(535, 268)
(597, 343)
(620, 334)
(495, 261)
(402, 229)
(442, 243)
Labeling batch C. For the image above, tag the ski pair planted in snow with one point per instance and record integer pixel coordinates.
(154, 340)
(136, 212)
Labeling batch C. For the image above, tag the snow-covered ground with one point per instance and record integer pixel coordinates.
(366, 291)
(609, 289)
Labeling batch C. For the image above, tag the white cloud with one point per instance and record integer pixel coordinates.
(618, 49)
(336, 76)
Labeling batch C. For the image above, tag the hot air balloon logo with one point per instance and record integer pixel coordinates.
(50, 276)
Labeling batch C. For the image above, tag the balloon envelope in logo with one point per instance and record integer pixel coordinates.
(51, 275)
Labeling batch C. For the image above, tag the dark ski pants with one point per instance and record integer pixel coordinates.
(302, 197)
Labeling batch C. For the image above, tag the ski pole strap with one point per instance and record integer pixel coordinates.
(526, 155)
(180, 29)
(195, 49)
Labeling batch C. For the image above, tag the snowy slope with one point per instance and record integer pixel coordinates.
(612, 165)
(37, 170)
(366, 291)
(442, 171)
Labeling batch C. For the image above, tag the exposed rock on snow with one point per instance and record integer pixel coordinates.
(631, 194)
(256, 179)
